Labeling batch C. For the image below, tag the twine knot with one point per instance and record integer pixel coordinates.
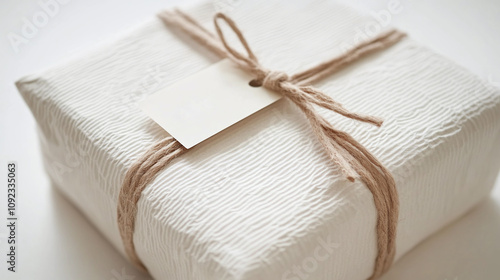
(274, 79)
(271, 80)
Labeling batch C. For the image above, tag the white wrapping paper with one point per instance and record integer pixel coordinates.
(262, 200)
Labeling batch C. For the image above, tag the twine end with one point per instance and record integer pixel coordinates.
(378, 122)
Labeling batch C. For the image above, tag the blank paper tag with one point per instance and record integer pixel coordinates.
(202, 105)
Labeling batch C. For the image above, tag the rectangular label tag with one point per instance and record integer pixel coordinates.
(202, 105)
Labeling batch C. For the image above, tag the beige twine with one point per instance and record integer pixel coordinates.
(350, 156)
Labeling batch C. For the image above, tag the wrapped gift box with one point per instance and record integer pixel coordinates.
(261, 199)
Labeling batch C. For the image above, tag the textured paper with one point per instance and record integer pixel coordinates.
(206, 103)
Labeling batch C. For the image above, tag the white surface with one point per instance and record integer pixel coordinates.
(57, 243)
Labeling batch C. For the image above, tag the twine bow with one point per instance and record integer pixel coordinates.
(302, 96)
(354, 160)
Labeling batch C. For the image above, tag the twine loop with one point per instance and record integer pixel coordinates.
(266, 78)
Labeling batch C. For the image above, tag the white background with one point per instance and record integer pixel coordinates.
(56, 242)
